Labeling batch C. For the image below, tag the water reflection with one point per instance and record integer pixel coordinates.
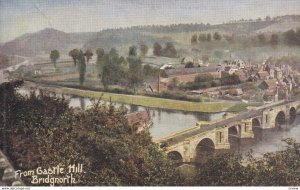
(165, 122)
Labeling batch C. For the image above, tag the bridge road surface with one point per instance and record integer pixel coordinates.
(220, 124)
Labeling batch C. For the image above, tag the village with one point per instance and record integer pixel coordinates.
(262, 82)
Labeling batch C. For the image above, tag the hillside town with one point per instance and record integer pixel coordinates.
(269, 81)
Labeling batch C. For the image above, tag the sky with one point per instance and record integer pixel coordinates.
(18, 17)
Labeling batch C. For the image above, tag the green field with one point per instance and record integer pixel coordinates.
(150, 101)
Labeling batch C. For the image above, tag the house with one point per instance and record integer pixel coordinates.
(252, 78)
(240, 64)
(140, 119)
(167, 66)
(188, 74)
(278, 73)
(271, 70)
(263, 75)
(270, 96)
(242, 75)
(270, 84)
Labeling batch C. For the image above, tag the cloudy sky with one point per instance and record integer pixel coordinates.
(26, 16)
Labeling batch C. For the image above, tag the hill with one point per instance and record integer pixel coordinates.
(44, 41)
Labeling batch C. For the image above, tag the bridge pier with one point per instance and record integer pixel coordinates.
(246, 129)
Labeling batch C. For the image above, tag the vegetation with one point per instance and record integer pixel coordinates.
(42, 131)
(54, 56)
(81, 67)
(74, 53)
(111, 150)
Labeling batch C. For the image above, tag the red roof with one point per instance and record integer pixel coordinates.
(138, 118)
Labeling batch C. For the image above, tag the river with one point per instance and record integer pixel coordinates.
(166, 122)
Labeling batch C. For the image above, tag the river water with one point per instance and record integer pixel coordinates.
(166, 122)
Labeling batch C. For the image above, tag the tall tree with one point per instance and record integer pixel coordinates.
(135, 68)
(54, 56)
(99, 64)
(81, 67)
(157, 49)
(88, 54)
(74, 54)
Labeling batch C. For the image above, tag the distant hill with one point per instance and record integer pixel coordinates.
(44, 41)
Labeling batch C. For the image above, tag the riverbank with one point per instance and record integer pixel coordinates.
(149, 101)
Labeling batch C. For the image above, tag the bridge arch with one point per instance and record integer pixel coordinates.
(233, 131)
(175, 156)
(280, 119)
(255, 123)
(293, 114)
(204, 149)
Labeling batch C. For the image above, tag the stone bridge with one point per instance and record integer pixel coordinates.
(188, 145)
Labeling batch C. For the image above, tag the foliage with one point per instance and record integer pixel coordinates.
(189, 65)
(274, 39)
(217, 36)
(273, 169)
(231, 80)
(169, 50)
(194, 39)
(74, 53)
(81, 67)
(88, 54)
(113, 69)
(157, 49)
(144, 49)
(54, 56)
(292, 37)
(135, 68)
(4, 60)
(43, 131)
(262, 39)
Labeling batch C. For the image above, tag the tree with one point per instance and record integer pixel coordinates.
(81, 67)
(291, 37)
(157, 49)
(262, 39)
(88, 54)
(100, 53)
(274, 40)
(169, 50)
(99, 64)
(54, 56)
(268, 18)
(113, 69)
(74, 54)
(194, 39)
(144, 49)
(231, 79)
(208, 38)
(135, 68)
(132, 51)
(111, 150)
(217, 36)
(202, 37)
(189, 65)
